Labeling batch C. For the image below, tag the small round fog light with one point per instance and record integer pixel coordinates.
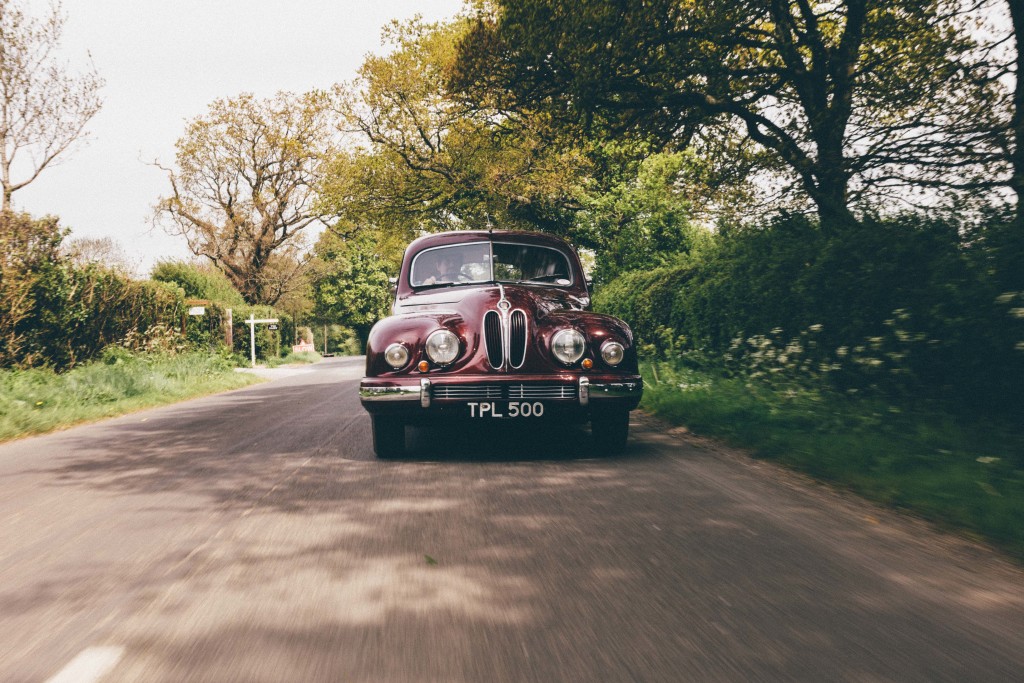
(396, 356)
(612, 353)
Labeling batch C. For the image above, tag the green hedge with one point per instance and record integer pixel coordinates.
(54, 313)
(198, 282)
(930, 297)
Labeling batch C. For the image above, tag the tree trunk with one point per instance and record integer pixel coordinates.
(830, 191)
(833, 208)
(1017, 122)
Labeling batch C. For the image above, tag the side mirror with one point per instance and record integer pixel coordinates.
(393, 286)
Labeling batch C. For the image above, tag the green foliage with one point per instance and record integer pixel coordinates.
(55, 313)
(652, 302)
(269, 343)
(350, 281)
(643, 221)
(39, 400)
(341, 340)
(904, 306)
(29, 253)
(80, 311)
(245, 187)
(198, 281)
(206, 283)
(820, 92)
(433, 161)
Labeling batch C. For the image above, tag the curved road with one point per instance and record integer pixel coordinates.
(252, 536)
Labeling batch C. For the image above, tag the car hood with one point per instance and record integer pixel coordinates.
(470, 300)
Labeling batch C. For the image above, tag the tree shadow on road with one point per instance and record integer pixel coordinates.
(508, 554)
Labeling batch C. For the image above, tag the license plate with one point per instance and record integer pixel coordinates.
(506, 410)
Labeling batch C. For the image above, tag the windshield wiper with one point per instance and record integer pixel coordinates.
(440, 285)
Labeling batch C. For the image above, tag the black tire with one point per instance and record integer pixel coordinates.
(388, 436)
(610, 430)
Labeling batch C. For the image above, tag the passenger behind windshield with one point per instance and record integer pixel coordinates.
(527, 263)
(442, 266)
(446, 268)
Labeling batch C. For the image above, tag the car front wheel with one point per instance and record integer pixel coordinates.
(610, 430)
(388, 436)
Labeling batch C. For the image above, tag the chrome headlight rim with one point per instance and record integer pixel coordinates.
(435, 354)
(397, 355)
(579, 346)
(608, 353)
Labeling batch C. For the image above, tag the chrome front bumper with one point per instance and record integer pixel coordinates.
(587, 391)
(398, 392)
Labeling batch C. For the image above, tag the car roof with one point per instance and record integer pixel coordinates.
(463, 236)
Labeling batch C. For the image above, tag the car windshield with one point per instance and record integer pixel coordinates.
(490, 262)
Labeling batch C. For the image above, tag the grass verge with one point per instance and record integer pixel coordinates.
(304, 358)
(965, 474)
(36, 401)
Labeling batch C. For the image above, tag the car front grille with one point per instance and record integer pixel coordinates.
(497, 332)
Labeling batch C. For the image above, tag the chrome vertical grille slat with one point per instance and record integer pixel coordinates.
(517, 338)
(492, 339)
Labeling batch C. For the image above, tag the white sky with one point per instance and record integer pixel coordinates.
(164, 61)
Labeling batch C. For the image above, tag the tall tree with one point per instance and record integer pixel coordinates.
(840, 93)
(102, 251)
(43, 108)
(349, 278)
(429, 161)
(1017, 122)
(644, 221)
(245, 187)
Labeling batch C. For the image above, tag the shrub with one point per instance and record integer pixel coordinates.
(29, 252)
(904, 306)
(198, 282)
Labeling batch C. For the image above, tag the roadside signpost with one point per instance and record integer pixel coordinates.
(252, 323)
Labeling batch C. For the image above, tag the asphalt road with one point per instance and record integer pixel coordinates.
(252, 536)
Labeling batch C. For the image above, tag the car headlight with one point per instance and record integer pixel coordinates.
(612, 353)
(568, 346)
(396, 356)
(442, 347)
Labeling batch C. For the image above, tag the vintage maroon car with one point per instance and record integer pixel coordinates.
(491, 326)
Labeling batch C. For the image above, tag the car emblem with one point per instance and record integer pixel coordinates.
(503, 304)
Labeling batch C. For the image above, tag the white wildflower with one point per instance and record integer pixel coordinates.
(1006, 297)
